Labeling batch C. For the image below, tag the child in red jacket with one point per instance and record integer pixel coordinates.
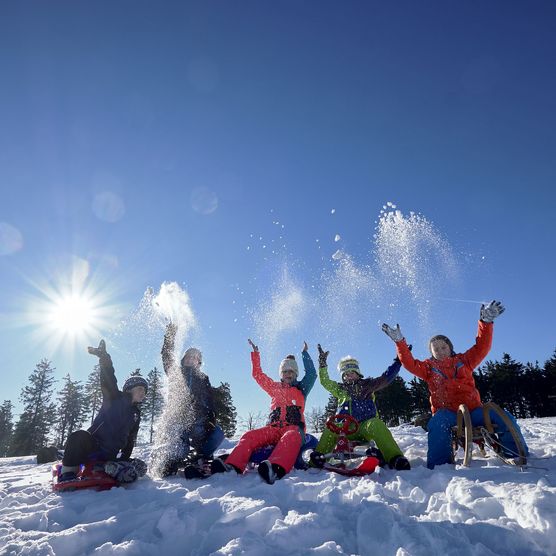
(286, 424)
(449, 376)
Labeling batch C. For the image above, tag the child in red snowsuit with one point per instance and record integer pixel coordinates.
(286, 425)
(449, 376)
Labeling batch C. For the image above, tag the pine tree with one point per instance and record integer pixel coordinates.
(93, 392)
(506, 378)
(394, 403)
(226, 414)
(316, 420)
(154, 401)
(549, 387)
(136, 372)
(72, 409)
(35, 422)
(6, 427)
(420, 397)
(331, 407)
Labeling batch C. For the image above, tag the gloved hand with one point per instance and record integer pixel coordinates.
(323, 356)
(305, 347)
(253, 346)
(395, 334)
(491, 311)
(100, 351)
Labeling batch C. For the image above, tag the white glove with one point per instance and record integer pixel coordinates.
(395, 334)
(491, 311)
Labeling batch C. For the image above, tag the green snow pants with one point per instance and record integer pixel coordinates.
(372, 429)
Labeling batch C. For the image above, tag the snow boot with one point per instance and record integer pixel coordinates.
(317, 459)
(376, 453)
(122, 471)
(67, 476)
(219, 466)
(399, 463)
(270, 471)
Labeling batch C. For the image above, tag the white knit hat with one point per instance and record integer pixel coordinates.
(349, 363)
(289, 364)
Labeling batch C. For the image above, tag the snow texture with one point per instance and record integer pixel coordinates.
(487, 509)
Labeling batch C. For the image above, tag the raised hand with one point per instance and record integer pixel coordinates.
(491, 311)
(395, 334)
(253, 346)
(305, 347)
(99, 351)
(323, 356)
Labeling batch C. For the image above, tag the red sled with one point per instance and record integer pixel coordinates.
(344, 459)
(91, 475)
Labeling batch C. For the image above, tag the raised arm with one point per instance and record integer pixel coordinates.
(333, 387)
(475, 354)
(414, 366)
(168, 359)
(108, 382)
(263, 380)
(375, 384)
(308, 381)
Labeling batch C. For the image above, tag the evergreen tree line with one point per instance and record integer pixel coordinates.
(525, 390)
(50, 416)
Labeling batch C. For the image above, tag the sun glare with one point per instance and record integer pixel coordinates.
(72, 315)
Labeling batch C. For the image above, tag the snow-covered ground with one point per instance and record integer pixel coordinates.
(486, 509)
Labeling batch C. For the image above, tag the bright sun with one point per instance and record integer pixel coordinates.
(72, 315)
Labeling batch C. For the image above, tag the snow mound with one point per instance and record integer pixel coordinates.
(487, 509)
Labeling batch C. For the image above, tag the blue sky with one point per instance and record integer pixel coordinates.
(147, 142)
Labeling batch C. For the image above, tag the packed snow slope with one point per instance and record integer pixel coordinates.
(489, 508)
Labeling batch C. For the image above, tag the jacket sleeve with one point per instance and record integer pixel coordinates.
(131, 439)
(414, 366)
(263, 380)
(167, 352)
(333, 387)
(474, 355)
(375, 384)
(108, 382)
(306, 385)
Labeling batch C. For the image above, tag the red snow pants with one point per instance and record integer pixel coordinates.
(287, 441)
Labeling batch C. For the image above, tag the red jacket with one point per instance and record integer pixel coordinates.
(451, 381)
(287, 403)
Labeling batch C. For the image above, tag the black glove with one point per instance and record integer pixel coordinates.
(323, 356)
(100, 351)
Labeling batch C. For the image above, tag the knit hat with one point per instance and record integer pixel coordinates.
(349, 363)
(444, 339)
(289, 364)
(134, 381)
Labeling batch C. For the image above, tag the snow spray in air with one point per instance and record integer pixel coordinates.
(172, 305)
(413, 260)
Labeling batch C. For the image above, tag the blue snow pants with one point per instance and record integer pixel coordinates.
(440, 434)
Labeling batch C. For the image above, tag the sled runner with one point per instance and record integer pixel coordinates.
(351, 458)
(91, 475)
(464, 435)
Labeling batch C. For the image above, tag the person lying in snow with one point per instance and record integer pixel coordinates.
(114, 429)
(449, 376)
(199, 436)
(286, 426)
(355, 396)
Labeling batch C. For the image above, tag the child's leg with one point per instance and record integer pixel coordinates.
(249, 442)
(214, 440)
(80, 445)
(327, 441)
(286, 450)
(375, 429)
(440, 438)
(477, 418)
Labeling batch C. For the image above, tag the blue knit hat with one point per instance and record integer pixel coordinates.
(134, 381)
